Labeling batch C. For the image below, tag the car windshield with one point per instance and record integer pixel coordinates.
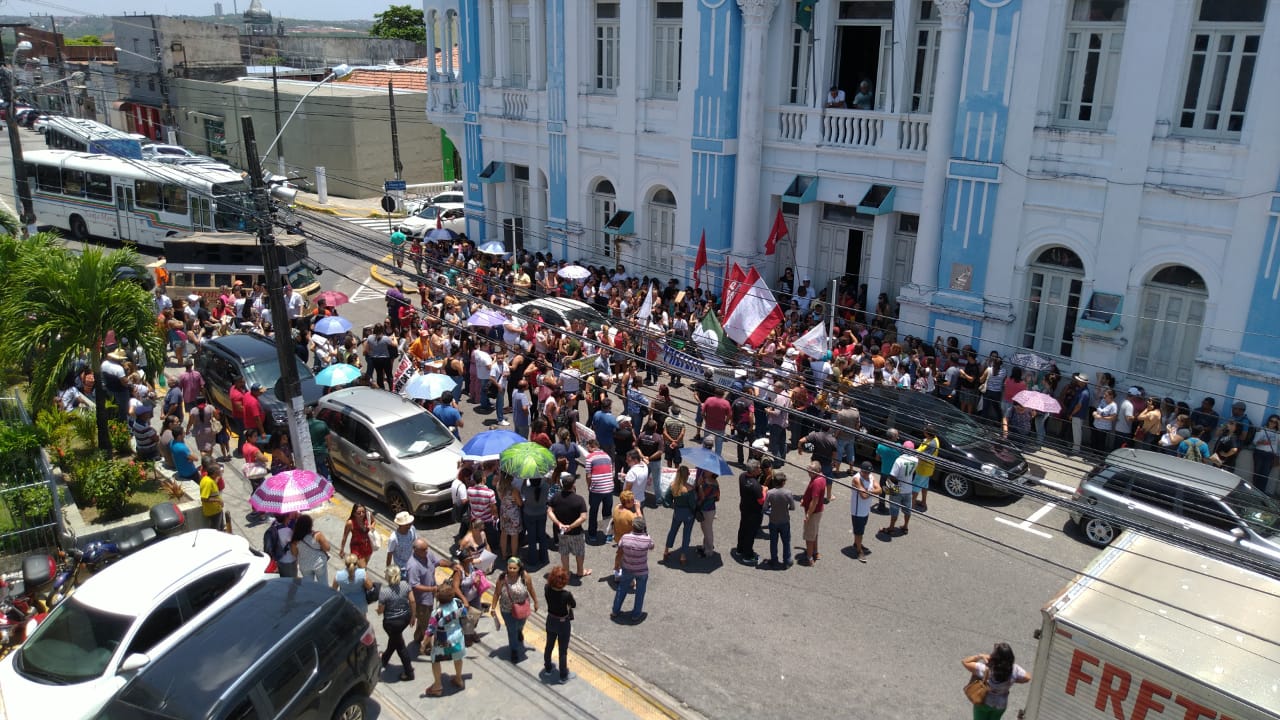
(74, 644)
(1256, 508)
(267, 373)
(427, 213)
(415, 435)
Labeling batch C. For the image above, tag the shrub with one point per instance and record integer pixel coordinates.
(31, 506)
(19, 444)
(109, 483)
(84, 427)
(121, 438)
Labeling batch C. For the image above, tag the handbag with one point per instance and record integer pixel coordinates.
(519, 610)
(371, 594)
(976, 690)
(491, 390)
(375, 539)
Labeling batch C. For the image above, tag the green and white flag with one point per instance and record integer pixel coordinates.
(710, 336)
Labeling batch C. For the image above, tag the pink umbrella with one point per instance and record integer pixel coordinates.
(291, 491)
(1038, 401)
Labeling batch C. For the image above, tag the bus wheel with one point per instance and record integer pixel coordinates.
(79, 230)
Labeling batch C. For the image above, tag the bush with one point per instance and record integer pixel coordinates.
(30, 506)
(109, 483)
(121, 438)
(84, 427)
(19, 444)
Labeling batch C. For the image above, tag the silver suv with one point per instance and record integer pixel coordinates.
(1207, 505)
(391, 448)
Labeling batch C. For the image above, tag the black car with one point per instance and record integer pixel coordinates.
(221, 360)
(962, 439)
(287, 649)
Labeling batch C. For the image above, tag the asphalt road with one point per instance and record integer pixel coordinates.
(881, 639)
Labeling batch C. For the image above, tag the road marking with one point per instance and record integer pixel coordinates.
(1056, 486)
(1035, 517)
(364, 292)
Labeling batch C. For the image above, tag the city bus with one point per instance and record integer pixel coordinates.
(68, 133)
(138, 201)
(204, 263)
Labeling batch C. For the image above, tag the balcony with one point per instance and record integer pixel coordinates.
(851, 129)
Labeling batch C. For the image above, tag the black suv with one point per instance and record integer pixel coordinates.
(287, 649)
(962, 440)
(221, 360)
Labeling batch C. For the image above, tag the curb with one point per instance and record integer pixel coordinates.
(376, 274)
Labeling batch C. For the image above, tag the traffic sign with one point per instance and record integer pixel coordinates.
(390, 185)
(388, 203)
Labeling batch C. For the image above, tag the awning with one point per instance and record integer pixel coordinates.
(205, 116)
(878, 200)
(1103, 312)
(494, 172)
(803, 189)
(623, 222)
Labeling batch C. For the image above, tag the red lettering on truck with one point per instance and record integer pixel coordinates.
(1147, 691)
(1195, 710)
(1113, 690)
(1107, 691)
(1076, 674)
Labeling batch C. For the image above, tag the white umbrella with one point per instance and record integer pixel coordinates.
(574, 272)
(493, 247)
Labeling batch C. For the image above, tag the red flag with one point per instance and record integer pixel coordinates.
(700, 261)
(439, 212)
(776, 233)
(739, 290)
(731, 280)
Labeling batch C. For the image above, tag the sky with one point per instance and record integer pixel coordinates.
(308, 9)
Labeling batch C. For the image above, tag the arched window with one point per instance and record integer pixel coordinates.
(604, 203)
(662, 233)
(1054, 283)
(1169, 322)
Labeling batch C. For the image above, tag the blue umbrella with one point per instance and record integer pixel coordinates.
(489, 444)
(337, 374)
(441, 233)
(487, 318)
(429, 386)
(705, 459)
(493, 247)
(333, 325)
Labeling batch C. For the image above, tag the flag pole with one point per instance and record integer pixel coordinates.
(831, 321)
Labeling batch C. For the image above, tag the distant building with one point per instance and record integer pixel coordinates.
(257, 21)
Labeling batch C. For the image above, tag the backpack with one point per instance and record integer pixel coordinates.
(742, 409)
(271, 544)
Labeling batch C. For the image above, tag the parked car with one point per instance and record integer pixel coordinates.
(1206, 504)
(123, 619)
(449, 197)
(561, 312)
(417, 225)
(962, 440)
(154, 150)
(391, 448)
(221, 360)
(306, 653)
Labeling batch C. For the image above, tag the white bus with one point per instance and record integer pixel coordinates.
(138, 201)
(68, 133)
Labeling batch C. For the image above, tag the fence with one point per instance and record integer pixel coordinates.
(30, 508)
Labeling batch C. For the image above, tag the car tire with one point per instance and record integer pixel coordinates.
(79, 230)
(397, 502)
(1097, 532)
(351, 708)
(957, 486)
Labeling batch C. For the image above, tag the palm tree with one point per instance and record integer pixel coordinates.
(58, 306)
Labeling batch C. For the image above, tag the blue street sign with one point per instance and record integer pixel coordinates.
(394, 185)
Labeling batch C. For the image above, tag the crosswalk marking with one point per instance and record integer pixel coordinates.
(364, 292)
(378, 225)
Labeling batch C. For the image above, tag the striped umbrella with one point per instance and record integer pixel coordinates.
(291, 491)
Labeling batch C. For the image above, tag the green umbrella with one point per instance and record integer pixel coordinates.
(526, 460)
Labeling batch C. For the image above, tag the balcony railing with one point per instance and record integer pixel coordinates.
(908, 132)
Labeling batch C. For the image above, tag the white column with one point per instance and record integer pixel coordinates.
(955, 13)
(446, 57)
(537, 39)
(432, 26)
(487, 70)
(747, 202)
(501, 43)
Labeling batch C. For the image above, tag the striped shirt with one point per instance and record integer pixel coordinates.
(481, 498)
(600, 470)
(635, 553)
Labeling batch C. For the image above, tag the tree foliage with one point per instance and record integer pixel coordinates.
(400, 22)
(85, 40)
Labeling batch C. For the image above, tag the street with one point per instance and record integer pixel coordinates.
(882, 639)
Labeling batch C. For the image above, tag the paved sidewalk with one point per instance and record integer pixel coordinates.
(343, 207)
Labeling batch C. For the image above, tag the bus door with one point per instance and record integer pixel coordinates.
(126, 217)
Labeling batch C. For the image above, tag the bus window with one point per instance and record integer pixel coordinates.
(222, 280)
(201, 280)
(73, 183)
(49, 178)
(98, 186)
(147, 195)
(175, 199)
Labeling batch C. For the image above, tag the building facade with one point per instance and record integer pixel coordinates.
(1096, 181)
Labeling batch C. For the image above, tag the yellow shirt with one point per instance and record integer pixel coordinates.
(928, 448)
(210, 497)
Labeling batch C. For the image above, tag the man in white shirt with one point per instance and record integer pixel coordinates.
(804, 296)
(637, 477)
(1129, 407)
(295, 304)
(903, 473)
(481, 360)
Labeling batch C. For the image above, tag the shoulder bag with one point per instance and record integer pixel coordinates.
(976, 689)
(519, 610)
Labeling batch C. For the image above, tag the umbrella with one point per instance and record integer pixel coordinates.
(291, 491)
(1038, 401)
(337, 374)
(333, 298)
(333, 325)
(487, 318)
(705, 459)
(490, 444)
(526, 460)
(441, 233)
(1031, 361)
(574, 272)
(493, 247)
(429, 386)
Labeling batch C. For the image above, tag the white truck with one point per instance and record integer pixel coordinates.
(1151, 631)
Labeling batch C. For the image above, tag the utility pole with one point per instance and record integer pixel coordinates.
(22, 189)
(62, 66)
(289, 388)
(275, 100)
(395, 133)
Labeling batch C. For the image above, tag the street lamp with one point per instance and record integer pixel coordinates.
(336, 73)
(139, 55)
(21, 189)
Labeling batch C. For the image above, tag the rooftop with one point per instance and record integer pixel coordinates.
(300, 88)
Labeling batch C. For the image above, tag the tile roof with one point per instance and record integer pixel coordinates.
(410, 81)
